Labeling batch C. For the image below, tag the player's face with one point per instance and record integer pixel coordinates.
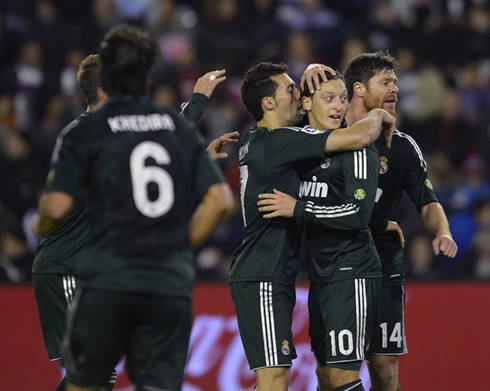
(287, 100)
(382, 92)
(327, 107)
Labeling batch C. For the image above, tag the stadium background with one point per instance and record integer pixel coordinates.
(444, 50)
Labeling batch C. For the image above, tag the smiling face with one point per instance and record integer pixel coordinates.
(286, 100)
(327, 106)
(381, 92)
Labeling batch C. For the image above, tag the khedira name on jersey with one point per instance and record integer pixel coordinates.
(141, 123)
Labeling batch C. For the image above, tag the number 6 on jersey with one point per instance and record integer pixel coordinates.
(142, 176)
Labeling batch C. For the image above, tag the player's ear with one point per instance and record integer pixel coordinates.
(268, 103)
(101, 95)
(359, 89)
(307, 103)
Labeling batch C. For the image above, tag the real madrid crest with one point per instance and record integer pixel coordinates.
(285, 349)
(384, 164)
(326, 163)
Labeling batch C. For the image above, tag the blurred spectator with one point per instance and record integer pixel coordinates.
(299, 54)
(474, 185)
(449, 129)
(353, 46)
(442, 176)
(30, 80)
(475, 262)
(422, 88)
(422, 265)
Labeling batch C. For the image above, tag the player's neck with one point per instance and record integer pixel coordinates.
(356, 112)
(271, 122)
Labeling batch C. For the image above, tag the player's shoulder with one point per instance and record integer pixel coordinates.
(405, 140)
(75, 127)
(294, 130)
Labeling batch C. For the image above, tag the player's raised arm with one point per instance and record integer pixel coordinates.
(203, 90)
(362, 133)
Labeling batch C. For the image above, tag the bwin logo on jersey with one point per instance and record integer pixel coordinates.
(313, 189)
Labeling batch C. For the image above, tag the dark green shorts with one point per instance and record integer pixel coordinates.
(343, 320)
(391, 338)
(265, 312)
(53, 294)
(152, 331)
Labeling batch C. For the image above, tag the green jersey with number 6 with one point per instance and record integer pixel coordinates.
(145, 169)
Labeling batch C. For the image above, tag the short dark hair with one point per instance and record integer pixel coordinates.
(365, 66)
(126, 56)
(338, 76)
(258, 84)
(88, 77)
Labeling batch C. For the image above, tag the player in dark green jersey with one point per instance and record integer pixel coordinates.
(145, 170)
(54, 269)
(371, 83)
(264, 267)
(337, 200)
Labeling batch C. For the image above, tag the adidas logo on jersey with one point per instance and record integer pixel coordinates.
(141, 123)
(313, 189)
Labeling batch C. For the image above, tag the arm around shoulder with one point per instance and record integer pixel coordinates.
(361, 134)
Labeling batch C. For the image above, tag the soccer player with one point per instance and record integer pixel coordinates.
(371, 83)
(337, 200)
(264, 266)
(145, 170)
(54, 268)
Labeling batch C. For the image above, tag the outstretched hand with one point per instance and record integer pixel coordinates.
(207, 83)
(216, 147)
(445, 245)
(277, 204)
(312, 74)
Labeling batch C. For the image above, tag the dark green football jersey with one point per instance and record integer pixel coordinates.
(337, 200)
(145, 169)
(403, 168)
(57, 251)
(269, 160)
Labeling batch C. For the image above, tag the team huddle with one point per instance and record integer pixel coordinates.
(133, 190)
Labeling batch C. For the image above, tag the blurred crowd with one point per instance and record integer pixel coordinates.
(443, 47)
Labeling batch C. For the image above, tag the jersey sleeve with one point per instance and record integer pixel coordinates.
(206, 172)
(194, 109)
(416, 181)
(360, 171)
(290, 145)
(68, 162)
